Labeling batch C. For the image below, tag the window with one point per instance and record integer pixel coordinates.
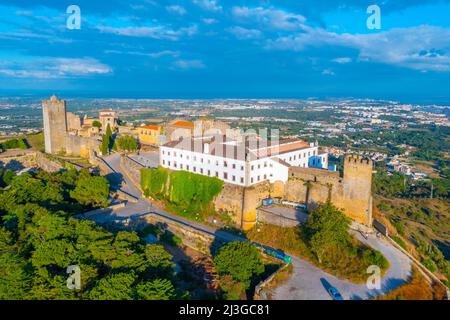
(209, 172)
(168, 153)
(217, 162)
(251, 180)
(234, 178)
(164, 162)
(225, 175)
(201, 160)
(181, 166)
(201, 170)
(259, 178)
(225, 164)
(217, 174)
(163, 152)
(168, 162)
(265, 164)
(253, 167)
(174, 154)
(259, 166)
(195, 169)
(242, 180)
(187, 167)
(234, 166)
(265, 177)
(242, 168)
(175, 164)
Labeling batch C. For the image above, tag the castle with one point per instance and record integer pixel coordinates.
(297, 173)
(66, 133)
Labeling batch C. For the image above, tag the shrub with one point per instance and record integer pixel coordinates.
(240, 260)
(186, 191)
(14, 144)
(127, 143)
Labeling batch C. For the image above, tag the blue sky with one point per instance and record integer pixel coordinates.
(218, 48)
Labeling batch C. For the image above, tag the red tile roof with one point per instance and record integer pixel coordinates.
(183, 124)
(156, 128)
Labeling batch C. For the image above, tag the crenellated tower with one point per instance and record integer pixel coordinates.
(55, 124)
(357, 185)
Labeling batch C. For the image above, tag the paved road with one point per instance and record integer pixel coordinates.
(143, 206)
(307, 282)
(147, 159)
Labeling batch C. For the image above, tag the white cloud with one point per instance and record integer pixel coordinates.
(210, 5)
(424, 48)
(157, 32)
(157, 54)
(328, 72)
(271, 17)
(209, 20)
(243, 33)
(188, 64)
(48, 68)
(176, 9)
(342, 60)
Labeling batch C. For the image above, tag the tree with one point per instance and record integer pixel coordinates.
(240, 260)
(117, 286)
(327, 228)
(96, 124)
(107, 141)
(127, 143)
(159, 260)
(91, 191)
(14, 279)
(8, 176)
(158, 289)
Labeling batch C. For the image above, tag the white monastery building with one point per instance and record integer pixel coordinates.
(240, 163)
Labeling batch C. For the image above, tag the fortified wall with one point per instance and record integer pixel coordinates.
(58, 124)
(350, 192)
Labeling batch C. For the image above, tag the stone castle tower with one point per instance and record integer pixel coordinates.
(357, 185)
(55, 124)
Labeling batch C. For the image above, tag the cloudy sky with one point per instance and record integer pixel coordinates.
(233, 48)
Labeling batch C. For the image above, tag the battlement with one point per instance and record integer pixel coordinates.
(356, 160)
(54, 101)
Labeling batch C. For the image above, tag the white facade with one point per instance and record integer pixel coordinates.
(246, 170)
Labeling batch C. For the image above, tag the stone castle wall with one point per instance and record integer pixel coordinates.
(80, 146)
(351, 193)
(30, 160)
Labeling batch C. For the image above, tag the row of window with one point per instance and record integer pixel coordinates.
(149, 132)
(305, 155)
(225, 175)
(202, 160)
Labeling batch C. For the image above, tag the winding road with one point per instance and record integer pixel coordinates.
(307, 281)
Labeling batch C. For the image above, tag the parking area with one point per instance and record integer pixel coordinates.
(282, 215)
(147, 159)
